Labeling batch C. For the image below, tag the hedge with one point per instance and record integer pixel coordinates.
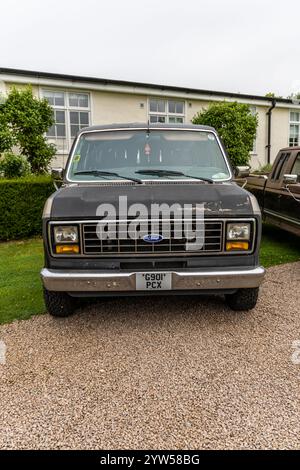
(21, 205)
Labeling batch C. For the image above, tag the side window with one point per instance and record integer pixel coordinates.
(296, 167)
(278, 167)
(282, 169)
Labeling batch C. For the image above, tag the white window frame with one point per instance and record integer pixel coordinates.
(297, 123)
(67, 109)
(166, 114)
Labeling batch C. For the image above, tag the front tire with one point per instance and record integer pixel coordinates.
(243, 299)
(59, 304)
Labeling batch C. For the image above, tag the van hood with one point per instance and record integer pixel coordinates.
(219, 199)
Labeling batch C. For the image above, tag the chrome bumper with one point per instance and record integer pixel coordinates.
(93, 281)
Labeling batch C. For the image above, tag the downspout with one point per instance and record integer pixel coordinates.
(269, 114)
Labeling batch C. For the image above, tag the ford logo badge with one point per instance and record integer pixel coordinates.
(153, 238)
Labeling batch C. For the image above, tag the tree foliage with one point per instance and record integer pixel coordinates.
(7, 139)
(14, 166)
(25, 120)
(236, 126)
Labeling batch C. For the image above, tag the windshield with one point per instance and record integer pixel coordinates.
(159, 154)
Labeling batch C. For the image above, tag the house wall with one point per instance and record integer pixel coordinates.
(113, 108)
(280, 130)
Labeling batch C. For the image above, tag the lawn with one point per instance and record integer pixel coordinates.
(21, 261)
(278, 247)
(20, 286)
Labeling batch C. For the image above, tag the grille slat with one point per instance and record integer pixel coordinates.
(213, 236)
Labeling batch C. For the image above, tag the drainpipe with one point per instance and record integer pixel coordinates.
(269, 114)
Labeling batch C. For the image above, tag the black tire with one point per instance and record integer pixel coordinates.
(243, 299)
(59, 304)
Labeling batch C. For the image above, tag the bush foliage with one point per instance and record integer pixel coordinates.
(24, 120)
(236, 126)
(14, 166)
(21, 205)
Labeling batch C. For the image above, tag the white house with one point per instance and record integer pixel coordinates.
(81, 101)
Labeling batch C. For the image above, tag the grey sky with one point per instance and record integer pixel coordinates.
(247, 46)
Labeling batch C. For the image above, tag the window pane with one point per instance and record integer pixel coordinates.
(51, 131)
(59, 99)
(61, 130)
(176, 107)
(157, 106)
(74, 129)
(84, 118)
(295, 116)
(293, 141)
(153, 118)
(172, 107)
(79, 100)
(74, 117)
(83, 101)
(161, 106)
(179, 107)
(294, 133)
(175, 119)
(60, 116)
(54, 98)
(73, 99)
(153, 106)
(49, 97)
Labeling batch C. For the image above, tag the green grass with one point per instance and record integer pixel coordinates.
(278, 247)
(21, 261)
(20, 285)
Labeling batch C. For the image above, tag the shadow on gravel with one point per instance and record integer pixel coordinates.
(155, 310)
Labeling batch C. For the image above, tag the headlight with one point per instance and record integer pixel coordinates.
(65, 234)
(238, 231)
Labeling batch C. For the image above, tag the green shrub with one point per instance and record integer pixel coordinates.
(14, 166)
(21, 206)
(24, 121)
(264, 170)
(236, 126)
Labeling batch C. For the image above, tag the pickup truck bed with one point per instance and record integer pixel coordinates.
(278, 200)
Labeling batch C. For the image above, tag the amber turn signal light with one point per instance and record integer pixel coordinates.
(240, 246)
(67, 249)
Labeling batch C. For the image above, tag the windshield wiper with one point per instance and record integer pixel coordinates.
(162, 173)
(107, 173)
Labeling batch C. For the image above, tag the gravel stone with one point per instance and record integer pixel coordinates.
(159, 373)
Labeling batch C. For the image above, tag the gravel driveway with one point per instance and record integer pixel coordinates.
(157, 373)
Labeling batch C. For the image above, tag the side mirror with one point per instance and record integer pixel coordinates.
(242, 171)
(57, 173)
(290, 179)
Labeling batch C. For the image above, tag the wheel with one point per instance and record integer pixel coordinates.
(243, 299)
(59, 304)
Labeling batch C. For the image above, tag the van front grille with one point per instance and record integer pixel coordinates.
(209, 239)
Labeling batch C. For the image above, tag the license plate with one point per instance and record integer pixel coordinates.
(153, 281)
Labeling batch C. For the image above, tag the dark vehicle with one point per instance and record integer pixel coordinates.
(147, 210)
(278, 193)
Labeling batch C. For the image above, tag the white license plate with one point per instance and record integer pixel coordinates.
(153, 281)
